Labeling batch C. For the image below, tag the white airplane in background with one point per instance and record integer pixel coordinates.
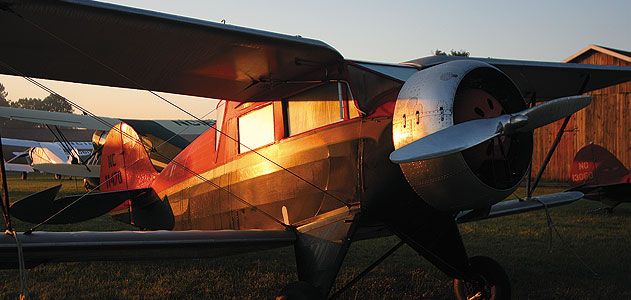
(52, 157)
(169, 136)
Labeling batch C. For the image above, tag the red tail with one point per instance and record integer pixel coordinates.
(595, 166)
(125, 163)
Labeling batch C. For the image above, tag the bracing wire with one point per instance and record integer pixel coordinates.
(140, 86)
(199, 176)
(186, 128)
(137, 140)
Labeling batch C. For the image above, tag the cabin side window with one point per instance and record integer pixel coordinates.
(256, 128)
(313, 108)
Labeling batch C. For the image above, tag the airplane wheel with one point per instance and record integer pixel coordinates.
(496, 284)
(299, 290)
(57, 176)
(24, 175)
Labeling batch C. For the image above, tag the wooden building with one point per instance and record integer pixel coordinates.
(607, 121)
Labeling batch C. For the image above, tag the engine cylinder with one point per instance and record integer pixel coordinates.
(447, 94)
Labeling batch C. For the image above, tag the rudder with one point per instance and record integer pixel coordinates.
(125, 163)
(594, 165)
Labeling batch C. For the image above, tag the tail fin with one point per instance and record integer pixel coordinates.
(125, 163)
(594, 165)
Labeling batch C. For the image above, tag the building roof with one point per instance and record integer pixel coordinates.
(621, 54)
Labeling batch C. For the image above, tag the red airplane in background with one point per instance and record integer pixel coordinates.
(598, 174)
(310, 149)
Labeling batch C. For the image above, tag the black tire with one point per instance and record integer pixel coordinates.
(496, 284)
(24, 175)
(57, 176)
(299, 290)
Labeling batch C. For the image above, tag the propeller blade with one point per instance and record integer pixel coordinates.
(450, 140)
(553, 110)
(471, 133)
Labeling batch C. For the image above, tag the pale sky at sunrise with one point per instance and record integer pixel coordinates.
(388, 31)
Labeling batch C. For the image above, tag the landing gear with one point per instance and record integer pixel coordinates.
(494, 282)
(299, 290)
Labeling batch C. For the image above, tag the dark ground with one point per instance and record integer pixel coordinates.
(520, 243)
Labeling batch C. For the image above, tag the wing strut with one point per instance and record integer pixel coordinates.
(557, 140)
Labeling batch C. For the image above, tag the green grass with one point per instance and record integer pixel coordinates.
(520, 243)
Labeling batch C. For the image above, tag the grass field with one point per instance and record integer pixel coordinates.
(520, 243)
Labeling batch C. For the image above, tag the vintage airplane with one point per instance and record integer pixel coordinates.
(598, 174)
(170, 136)
(311, 150)
(59, 158)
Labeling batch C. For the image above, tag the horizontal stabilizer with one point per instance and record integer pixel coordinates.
(42, 247)
(11, 167)
(38, 207)
(515, 206)
(73, 170)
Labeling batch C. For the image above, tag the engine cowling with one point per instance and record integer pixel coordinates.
(447, 94)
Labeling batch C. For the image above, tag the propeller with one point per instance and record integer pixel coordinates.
(468, 134)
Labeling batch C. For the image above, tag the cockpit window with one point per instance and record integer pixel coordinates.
(314, 108)
(256, 128)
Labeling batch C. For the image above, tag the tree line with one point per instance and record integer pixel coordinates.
(50, 103)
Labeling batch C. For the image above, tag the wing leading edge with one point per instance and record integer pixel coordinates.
(44, 247)
(517, 206)
(544, 81)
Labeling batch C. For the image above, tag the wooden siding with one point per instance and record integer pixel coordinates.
(607, 122)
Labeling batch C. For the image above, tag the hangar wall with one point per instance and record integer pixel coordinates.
(607, 121)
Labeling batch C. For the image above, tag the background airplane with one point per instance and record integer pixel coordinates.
(598, 174)
(168, 136)
(312, 150)
(59, 158)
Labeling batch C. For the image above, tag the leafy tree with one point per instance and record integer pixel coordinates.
(50, 103)
(439, 52)
(452, 52)
(56, 103)
(28, 103)
(3, 96)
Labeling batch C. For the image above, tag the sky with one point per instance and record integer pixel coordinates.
(387, 31)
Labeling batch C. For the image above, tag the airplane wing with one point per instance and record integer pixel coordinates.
(516, 206)
(57, 118)
(13, 167)
(105, 44)
(547, 80)
(132, 48)
(20, 143)
(187, 127)
(43, 247)
(73, 170)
